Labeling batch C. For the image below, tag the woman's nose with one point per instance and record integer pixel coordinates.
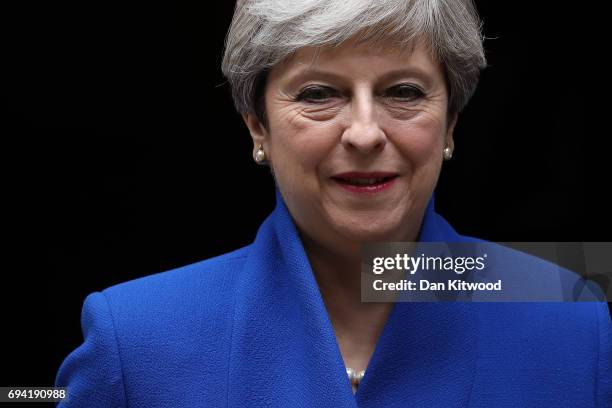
(363, 132)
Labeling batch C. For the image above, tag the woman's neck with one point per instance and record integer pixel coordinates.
(357, 325)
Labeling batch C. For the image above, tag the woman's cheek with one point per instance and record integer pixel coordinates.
(311, 146)
(422, 141)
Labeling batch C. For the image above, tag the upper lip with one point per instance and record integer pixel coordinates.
(365, 175)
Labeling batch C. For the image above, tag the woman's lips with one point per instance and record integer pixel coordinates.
(371, 182)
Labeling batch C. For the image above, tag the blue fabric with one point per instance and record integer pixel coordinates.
(250, 329)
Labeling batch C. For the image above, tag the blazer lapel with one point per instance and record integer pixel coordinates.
(284, 352)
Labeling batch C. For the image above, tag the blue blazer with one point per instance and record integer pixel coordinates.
(249, 329)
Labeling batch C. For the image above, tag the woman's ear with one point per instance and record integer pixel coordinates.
(258, 132)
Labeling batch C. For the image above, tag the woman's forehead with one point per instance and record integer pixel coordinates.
(353, 56)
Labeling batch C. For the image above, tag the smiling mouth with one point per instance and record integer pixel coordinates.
(364, 182)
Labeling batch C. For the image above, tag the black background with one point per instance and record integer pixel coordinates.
(123, 155)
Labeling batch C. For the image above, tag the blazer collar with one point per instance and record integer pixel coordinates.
(284, 351)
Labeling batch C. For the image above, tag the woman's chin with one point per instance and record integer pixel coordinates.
(371, 233)
(387, 224)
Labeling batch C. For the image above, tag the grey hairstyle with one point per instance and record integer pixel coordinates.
(266, 32)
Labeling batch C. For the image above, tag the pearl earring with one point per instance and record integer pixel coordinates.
(260, 155)
(447, 153)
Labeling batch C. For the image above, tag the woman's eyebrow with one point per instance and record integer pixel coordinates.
(305, 74)
(416, 72)
(309, 73)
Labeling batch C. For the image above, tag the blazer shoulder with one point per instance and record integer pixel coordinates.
(147, 331)
(201, 291)
(218, 270)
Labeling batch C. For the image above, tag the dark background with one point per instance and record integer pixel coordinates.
(123, 156)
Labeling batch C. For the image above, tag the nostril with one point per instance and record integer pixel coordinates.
(364, 141)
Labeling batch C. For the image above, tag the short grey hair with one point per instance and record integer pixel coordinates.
(266, 32)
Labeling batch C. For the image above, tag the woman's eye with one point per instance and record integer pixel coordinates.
(316, 94)
(406, 92)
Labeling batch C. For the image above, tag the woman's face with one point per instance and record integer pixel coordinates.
(380, 114)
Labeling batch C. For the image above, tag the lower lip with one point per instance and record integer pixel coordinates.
(373, 189)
